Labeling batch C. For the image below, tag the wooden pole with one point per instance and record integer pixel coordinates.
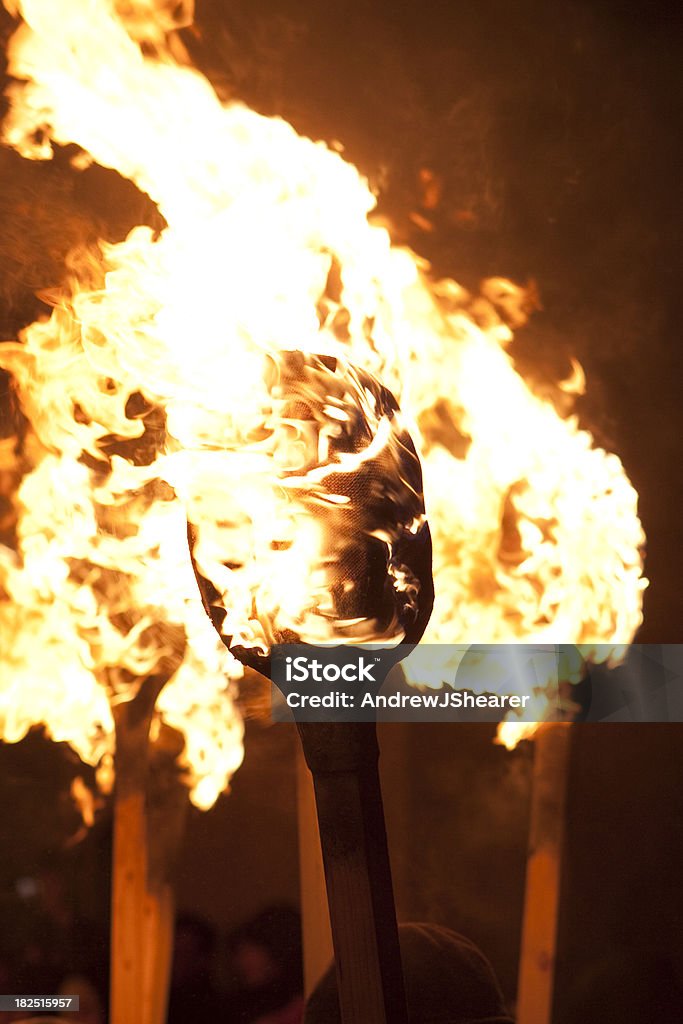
(167, 805)
(343, 759)
(147, 824)
(315, 915)
(129, 871)
(544, 873)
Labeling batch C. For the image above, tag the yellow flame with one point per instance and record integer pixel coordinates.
(84, 799)
(162, 386)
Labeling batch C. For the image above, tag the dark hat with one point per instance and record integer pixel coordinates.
(448, 980)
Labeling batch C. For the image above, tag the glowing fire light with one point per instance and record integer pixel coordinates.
(179, 345)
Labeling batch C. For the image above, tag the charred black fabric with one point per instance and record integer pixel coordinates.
(385, 496)
(448, 980)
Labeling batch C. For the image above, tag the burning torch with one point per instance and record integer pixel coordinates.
(370, 580)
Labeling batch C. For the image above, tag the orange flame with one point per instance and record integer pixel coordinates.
(175, 344)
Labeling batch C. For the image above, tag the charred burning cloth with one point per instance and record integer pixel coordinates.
(351, 474)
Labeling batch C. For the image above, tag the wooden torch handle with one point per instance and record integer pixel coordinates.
(343, 758)
(147, 828)
(544, 873)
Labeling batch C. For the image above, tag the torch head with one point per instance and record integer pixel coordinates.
(356, 485)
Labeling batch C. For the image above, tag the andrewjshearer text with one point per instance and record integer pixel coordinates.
(412, 700)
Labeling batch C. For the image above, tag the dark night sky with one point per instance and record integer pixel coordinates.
(555, 127)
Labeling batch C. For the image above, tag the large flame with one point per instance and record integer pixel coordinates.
(162, 387)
